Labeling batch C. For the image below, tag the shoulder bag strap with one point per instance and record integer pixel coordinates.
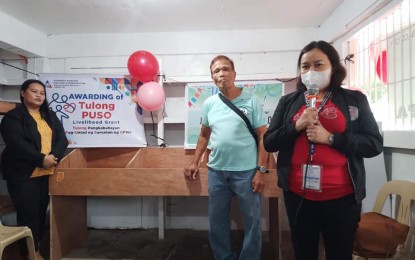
(239, 112)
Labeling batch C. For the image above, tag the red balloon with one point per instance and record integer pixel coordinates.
(143, 66)
(382, 67)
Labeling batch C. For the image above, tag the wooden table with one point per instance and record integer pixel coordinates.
(128, 172)
(6, 106)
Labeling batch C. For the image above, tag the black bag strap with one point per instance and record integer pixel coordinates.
(239, 112)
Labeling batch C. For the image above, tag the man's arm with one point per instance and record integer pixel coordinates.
(193, 169)
(258, 180)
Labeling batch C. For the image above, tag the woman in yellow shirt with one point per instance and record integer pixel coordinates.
(35, 142)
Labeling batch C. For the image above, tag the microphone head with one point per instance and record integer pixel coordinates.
(312, 89)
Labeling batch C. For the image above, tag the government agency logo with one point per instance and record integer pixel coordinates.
(47, 84)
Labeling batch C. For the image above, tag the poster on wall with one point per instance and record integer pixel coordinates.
(96, 111)
(269, 92)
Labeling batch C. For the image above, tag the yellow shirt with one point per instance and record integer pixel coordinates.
(46, 143)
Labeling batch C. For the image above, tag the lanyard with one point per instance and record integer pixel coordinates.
(323, 103)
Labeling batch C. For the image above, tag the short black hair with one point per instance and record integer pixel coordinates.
(221, 57)
(337, 69)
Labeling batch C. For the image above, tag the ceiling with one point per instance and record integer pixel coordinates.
(136, 16)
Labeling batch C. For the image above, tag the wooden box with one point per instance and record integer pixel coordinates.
(125, 172)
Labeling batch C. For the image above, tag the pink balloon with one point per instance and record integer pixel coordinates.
(143, 66)
(150, 96)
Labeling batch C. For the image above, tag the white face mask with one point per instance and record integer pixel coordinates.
(319, 78)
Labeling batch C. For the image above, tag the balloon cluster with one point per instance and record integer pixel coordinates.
(143, 66)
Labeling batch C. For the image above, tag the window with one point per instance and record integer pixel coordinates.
(384, 66)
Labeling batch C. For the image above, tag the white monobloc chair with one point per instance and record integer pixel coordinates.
(405, 195)
(9, 235)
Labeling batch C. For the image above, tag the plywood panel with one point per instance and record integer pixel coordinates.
(68, 224)
(75, 159)
(127, 182)
(6, 204)
(138, 182)
(138, 160)
(271, 160)
(274, 228)
(110, 157)
(6, 106)
(160, 173)
(166, 158)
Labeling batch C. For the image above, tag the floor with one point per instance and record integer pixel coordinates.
(179, 244)
(143, 244)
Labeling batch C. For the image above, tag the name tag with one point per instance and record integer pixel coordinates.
(312, 177)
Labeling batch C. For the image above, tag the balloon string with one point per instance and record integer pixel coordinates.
(164, 144)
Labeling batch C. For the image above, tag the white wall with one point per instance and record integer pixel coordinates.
(346, 16)
(21, 38)
(258, 54)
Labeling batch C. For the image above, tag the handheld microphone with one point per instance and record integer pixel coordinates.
(312, 91)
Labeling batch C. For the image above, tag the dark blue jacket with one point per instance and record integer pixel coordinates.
(23, 143)
(361, 138)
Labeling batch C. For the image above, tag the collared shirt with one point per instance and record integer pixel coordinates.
(232, 146)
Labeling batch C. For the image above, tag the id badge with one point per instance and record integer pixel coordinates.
(312, 180)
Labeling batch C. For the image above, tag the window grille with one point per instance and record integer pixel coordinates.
(384, 66)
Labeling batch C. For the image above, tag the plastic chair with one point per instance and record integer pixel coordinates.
(405, 194)
(9, 235)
